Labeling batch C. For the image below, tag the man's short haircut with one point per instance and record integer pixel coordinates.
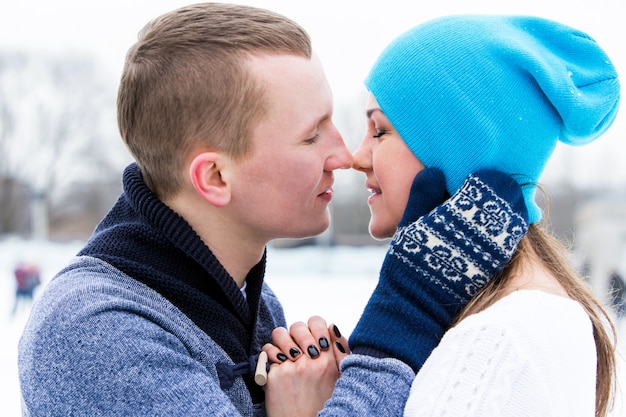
(186, 83)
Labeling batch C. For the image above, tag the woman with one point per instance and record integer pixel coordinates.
(462, 94)
(537, 295)
(471, 92)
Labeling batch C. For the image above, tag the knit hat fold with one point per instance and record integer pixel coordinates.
(473, 92)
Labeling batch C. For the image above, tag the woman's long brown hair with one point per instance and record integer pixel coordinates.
(540, 245)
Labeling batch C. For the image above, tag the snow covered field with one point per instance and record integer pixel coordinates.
(332, 282)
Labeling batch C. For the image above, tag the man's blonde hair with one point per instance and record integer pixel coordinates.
(186, 84)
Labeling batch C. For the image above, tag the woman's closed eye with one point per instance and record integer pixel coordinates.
(379, 133)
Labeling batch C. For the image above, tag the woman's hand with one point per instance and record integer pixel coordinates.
(304, 367)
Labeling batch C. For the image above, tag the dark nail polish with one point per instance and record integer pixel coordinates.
(281, 357)
(323, 343)
(340, 347)
(313, 352)
(336, 331)
(294, 352)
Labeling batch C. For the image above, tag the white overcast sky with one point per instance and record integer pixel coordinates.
(347, 35)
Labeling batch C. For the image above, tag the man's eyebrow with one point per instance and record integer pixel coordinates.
(369, 112)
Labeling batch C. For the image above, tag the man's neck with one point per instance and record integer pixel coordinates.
(236, 252)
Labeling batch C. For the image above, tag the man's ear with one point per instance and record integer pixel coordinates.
(205, 172)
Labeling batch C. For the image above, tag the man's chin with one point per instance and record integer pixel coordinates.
(313, 230)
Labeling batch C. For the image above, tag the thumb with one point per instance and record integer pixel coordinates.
(427, 192)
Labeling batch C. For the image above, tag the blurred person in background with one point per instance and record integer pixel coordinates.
(27, 279)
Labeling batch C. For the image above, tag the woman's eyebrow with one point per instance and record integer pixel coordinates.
(368, 113)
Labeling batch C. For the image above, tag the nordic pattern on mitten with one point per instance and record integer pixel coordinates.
(461, 245)
(436, 263)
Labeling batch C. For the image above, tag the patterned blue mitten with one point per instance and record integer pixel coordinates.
(437, 261)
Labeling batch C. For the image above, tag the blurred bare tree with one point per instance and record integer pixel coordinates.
(57, 115)
(9, 206)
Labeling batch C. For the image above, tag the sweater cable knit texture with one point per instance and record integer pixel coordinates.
(521, 347)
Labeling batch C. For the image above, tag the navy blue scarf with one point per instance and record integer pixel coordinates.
(151, 243)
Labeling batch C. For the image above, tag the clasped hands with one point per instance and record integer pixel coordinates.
(304, 367)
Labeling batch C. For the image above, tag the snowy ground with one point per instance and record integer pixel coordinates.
(332, 282)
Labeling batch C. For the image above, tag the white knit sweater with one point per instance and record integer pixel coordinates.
(529, 354)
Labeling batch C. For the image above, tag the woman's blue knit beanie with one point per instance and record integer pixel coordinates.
(473, 92)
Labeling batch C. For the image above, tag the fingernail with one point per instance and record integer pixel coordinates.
(313, 352)
(281, 357)
(323, 343)
(294, 352)
(336, 331)
(340, 347)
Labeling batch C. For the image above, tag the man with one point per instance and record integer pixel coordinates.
(228, 115)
